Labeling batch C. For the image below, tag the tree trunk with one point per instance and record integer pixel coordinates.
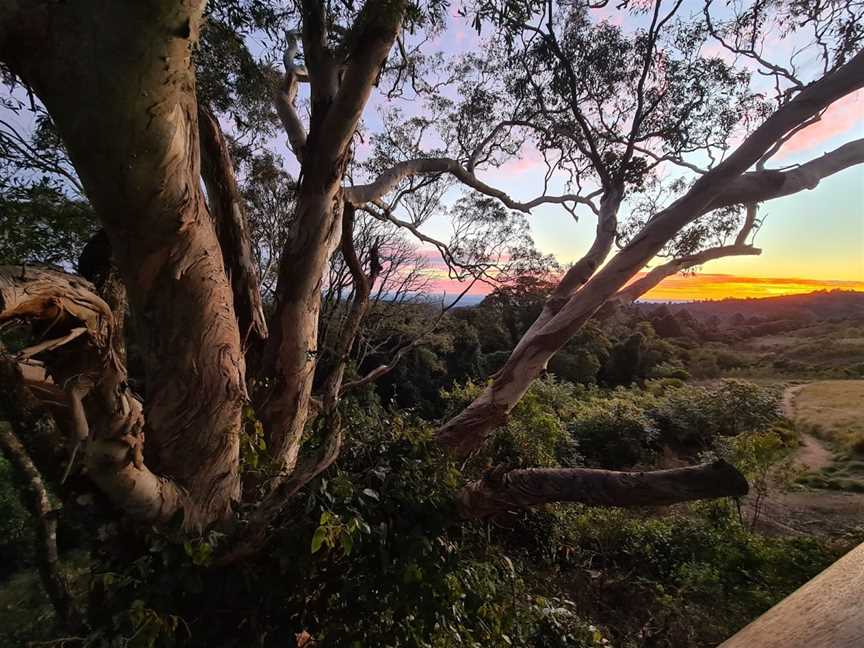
(293, 343)
(339, 91)
(229, 216)
(117, 78)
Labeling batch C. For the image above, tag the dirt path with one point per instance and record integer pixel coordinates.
(813, 456)
(811, 511)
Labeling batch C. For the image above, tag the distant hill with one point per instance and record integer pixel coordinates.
(819, 305)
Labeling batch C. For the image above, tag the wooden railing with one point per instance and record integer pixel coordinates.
(825, 612)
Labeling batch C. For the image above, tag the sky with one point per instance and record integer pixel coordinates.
(813, 240)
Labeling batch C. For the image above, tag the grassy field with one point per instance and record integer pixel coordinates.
(834, 411)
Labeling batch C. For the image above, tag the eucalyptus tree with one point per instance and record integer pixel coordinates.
(609, 109)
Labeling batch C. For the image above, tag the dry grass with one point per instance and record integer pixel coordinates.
(834, 409)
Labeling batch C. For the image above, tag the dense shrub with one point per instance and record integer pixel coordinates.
(613, 432)
(688, 579)
(577, 367)
(16, 531)
(695, 415)
(536, 431)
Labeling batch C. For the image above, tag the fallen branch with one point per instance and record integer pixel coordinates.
(518, 489)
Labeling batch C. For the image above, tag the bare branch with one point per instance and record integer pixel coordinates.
(389, 179)
(284, 99)
(45, 520)
(651, 280)
(382, 370)
(362, 285)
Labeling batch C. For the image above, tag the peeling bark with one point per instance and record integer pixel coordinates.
(336, 110)
(102, 412)
(125, 107)
(518, 489)
(229, 216)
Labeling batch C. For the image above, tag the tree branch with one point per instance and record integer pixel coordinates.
(750, 187)
(139, 163)
(518, 489)
(652, 279)
(113, 423)
(467, 431)
(45, 519)
(228, 211)
(373, 35)
(759, 186)
(389, 179)
(284, 99)
(359, 305)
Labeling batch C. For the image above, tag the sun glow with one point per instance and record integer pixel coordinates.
(718, 286)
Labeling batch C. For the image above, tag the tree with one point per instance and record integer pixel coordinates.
(605, 108)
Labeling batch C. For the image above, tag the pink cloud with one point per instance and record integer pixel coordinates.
(530, 158)
(451, 287)
(841, 117)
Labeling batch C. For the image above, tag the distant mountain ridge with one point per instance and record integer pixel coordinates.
(821, 304)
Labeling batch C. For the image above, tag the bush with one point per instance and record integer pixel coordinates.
(692, 578)
(613, 432)
(16, 529)
(702, 363)
(577, 367)
(694, 416)
(666, 370)
(535, 434)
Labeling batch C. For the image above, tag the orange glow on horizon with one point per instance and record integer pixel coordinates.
(697, 287)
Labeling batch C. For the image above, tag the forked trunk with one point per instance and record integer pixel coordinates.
(293, 345)
(119, 82)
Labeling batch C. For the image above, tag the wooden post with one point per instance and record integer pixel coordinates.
(825, 612)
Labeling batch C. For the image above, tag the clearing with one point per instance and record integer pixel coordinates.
(834, 409)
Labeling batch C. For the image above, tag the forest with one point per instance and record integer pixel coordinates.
(282, 364)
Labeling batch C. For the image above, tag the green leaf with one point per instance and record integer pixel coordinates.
(368, 492)
(347, 543)
(318, 539)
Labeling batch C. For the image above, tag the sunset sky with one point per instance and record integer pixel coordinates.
(811, 241)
